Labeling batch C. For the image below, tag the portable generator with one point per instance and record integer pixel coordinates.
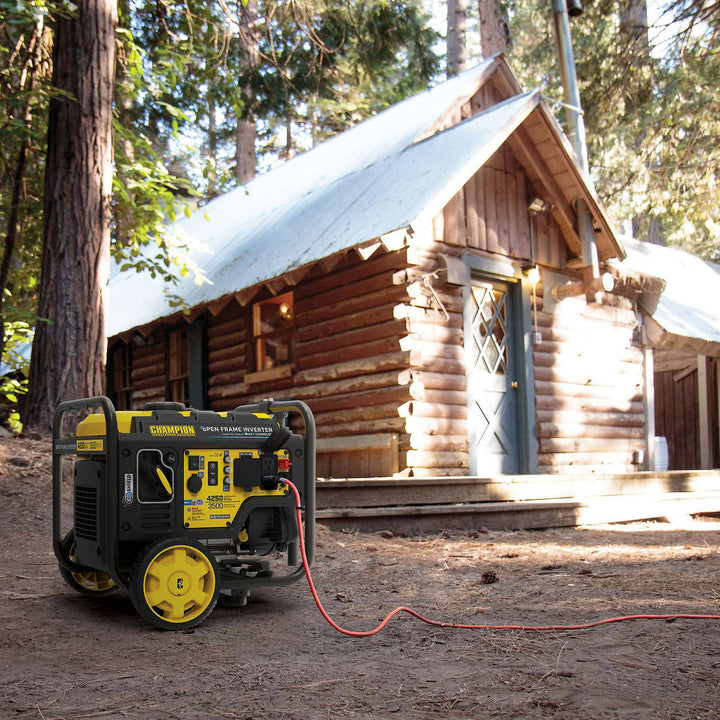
(182, 507)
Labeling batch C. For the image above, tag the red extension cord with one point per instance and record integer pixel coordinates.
(437, 623)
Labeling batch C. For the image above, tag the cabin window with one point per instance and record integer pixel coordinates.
(491, 328)
(121, 376)
(178, 365)
(272, 326)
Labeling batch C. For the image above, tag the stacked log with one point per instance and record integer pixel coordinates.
(148, 371)
(589, 387)
(227, 355)
(436, 419)
(349, 365)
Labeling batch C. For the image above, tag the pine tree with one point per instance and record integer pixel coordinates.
(68, 359)
(456, 29)
(495, 35)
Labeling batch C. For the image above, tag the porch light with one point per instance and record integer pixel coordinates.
(538, 206)
(532, 273)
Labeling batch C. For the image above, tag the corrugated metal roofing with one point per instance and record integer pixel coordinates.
(690, 304)
(355, 187)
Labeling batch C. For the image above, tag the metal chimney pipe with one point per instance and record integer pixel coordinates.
(576, 133)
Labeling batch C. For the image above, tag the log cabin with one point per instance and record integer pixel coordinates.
(417, 280)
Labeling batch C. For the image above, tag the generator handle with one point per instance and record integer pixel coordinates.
(111, 448)
(279, 406)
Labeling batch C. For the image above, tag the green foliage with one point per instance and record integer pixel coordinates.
(182, 84)
(14, 385)
(322, 65)
(652, 110)
(24, 95)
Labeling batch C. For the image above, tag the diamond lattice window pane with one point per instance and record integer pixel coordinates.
(490, 330)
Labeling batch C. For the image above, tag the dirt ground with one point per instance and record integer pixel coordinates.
(66, 656)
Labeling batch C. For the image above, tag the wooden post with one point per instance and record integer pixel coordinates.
(649, 373)
(717, 372)
(704, 412)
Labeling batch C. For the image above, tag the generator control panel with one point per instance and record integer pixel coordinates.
(219, 480)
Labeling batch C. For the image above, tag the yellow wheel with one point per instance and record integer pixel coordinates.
(174, 584)
(93, 582)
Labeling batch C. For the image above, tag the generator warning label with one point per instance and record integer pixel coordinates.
(94, 445)
(172, 430)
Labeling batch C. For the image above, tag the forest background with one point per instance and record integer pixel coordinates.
(205, 93)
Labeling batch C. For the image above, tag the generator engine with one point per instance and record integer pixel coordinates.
(182, 507)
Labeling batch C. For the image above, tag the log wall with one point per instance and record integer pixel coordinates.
(589, 387)
(350, 365)
(226, 343)
(149, 372)
(437, 418)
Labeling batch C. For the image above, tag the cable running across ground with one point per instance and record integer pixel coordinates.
(463, 626)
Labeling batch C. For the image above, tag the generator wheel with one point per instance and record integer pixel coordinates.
(174, 584)
(94, 582)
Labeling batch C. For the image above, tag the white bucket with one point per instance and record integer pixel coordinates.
(662, 457)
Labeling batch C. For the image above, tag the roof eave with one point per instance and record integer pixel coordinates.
(659, 337)
(598, 211)
(390, 241)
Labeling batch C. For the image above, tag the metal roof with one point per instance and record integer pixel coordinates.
(357, 186)
(386, 174)
(689, 307)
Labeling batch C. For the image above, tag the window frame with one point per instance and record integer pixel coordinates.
(178, 365)
(260, 370)
(121, 392)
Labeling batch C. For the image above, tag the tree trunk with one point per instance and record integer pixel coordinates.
(494, 28)
(634, 32)
(245, 158)
(68, 359)
(212, 188)
(456, 46)
(123, 102)
(31, 71)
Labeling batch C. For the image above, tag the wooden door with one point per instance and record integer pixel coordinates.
(493, 379)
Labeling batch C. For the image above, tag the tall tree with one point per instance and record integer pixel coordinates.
(652, 118)
(249, 58)
(68, 358)
(456, 36)
(24, 75)
(494, 27)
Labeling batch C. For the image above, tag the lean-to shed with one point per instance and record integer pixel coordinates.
(386, 277)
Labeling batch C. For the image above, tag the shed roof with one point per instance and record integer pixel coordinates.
(687, 316)
(384, 175)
